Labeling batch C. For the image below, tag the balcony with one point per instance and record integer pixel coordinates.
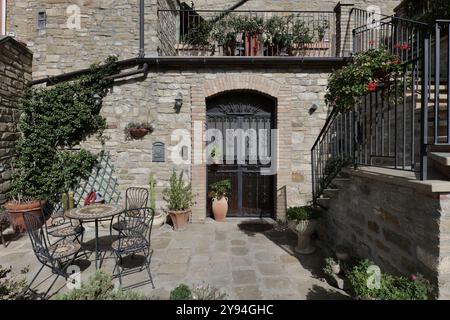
(247, 33)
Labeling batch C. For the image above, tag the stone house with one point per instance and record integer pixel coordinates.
(184, 88)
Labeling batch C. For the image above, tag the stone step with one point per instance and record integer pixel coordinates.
(324, 202)
(330, 193)
(442, 158)
(340, 182)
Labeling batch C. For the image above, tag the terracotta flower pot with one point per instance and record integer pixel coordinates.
(16, 211)
(220, 208)
(180, 219)
(138, 133)
(304, 230)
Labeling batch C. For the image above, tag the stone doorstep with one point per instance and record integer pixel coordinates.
(400, 178)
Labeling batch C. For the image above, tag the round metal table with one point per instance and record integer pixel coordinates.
(96, 213)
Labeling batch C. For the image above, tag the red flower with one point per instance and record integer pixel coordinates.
(371, 42)
(372, 86)
(413, 277)
(402, 46)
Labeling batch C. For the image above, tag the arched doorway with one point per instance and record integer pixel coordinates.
(249, 116)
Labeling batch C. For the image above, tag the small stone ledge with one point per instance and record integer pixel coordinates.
(400, 178)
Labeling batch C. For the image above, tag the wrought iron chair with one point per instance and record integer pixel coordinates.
(57, 257)
(134, 239)
(134, 198)
(59, 227)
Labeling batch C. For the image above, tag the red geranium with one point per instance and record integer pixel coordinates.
(372, 86)
(413, 277)
(371, 42)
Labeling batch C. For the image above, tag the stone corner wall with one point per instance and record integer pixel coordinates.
(15, 73)
(404, 229)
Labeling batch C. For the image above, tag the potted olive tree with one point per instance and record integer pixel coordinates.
(218, 193)
(303, 221)
(179, 198)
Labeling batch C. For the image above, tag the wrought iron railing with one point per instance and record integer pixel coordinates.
(254, 33)
(394, 127)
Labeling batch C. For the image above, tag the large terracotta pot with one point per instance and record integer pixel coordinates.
(304, 230)
(180, 219)
(16, 211)
(220, 208)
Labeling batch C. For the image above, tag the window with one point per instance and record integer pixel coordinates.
(41, 21)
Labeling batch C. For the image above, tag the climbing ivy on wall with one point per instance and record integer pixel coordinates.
(53, 120)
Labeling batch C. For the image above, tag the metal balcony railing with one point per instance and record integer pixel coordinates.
(397, 127)
(253, 33)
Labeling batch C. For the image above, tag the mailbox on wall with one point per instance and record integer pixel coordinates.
(158, 152)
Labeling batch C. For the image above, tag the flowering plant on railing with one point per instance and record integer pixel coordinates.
(368, 72)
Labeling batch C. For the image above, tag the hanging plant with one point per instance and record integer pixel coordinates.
(138, 130)
(369, 71)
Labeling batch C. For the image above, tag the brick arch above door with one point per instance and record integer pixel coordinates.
(241, 82)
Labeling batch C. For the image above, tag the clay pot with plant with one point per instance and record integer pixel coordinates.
(218, 193)
(303, 221)
(138, 130)
(179, 198)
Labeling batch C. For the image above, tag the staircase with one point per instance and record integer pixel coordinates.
(379, 132)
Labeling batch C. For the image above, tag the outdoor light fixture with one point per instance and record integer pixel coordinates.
(178, 101)
(98, 99)
(313, 108)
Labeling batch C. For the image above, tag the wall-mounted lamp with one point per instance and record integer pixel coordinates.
(98, 99)
(313, 108)
(178, 101)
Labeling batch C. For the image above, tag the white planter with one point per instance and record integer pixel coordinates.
(304, 230)
(159, 220)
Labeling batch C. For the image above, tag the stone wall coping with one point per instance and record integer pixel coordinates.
(400, 178)
(19, 45)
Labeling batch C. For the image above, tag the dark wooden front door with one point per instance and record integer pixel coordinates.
(252, 193)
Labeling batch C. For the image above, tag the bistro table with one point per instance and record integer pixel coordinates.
(96, 213)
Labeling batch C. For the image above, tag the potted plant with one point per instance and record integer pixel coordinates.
(198, 38)
(16, 207)
(215, 155)
(277, 35)
(303, 221)
(218, 193)
(252, 29)
(179, 199)
(137, 130)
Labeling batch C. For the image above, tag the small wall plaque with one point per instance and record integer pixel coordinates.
(158, 152)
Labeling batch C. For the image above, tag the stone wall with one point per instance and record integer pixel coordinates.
(401, 225)
(112, 27)
(153, 100)
(167, 28)
(107, 27)
(15, 73)
(387, 6)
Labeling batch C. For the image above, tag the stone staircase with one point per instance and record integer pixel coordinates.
(332, 191)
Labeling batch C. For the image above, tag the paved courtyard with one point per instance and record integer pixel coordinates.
(248, 259)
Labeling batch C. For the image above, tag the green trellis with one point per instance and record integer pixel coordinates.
(101, 180)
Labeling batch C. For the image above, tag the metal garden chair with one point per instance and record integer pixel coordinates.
(60, 227)
(134, 198)
(134, 239)
(57, 257)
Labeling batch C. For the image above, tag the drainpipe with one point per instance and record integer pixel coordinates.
(141, 28)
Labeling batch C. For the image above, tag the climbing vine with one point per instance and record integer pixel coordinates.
(54, 120)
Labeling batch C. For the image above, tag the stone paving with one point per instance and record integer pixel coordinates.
(248, 259)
